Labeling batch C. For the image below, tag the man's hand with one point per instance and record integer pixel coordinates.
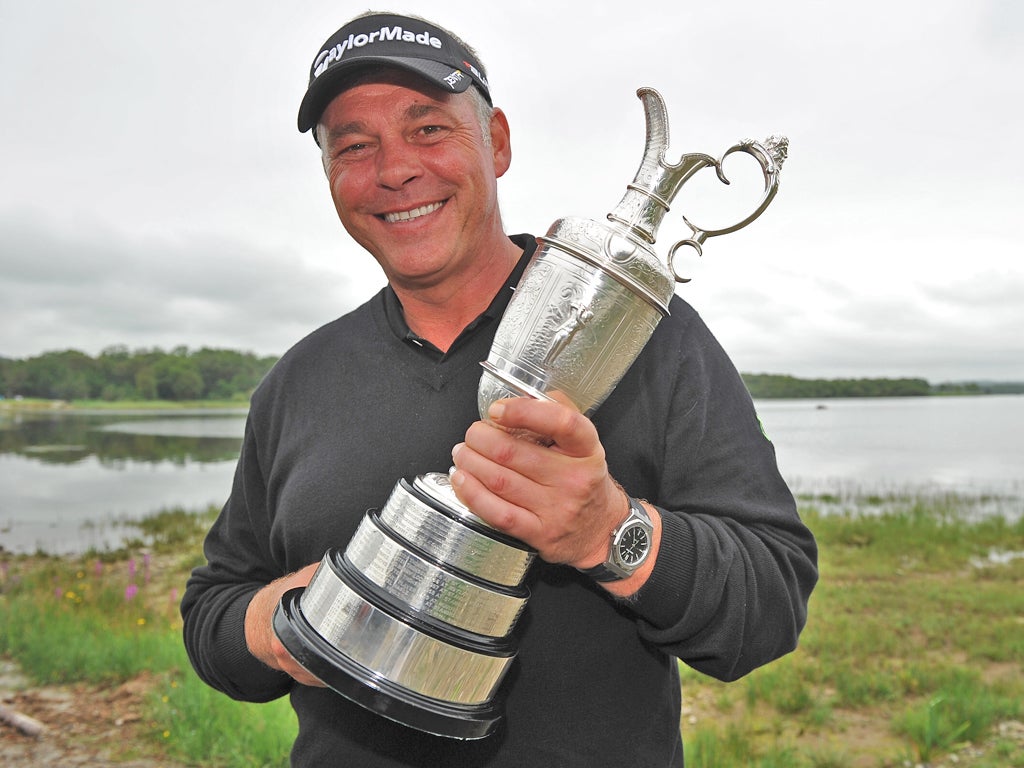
(259, 631)
(558, 498)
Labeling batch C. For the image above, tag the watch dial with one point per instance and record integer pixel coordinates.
(633, 545)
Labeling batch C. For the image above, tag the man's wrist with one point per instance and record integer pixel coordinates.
(629, 546)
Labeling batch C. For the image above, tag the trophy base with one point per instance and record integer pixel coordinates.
(415, 619)
(369, 690)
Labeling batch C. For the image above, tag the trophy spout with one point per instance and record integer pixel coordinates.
(657, 182)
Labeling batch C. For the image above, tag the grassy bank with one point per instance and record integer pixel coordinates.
(914, 647)
(107, 618)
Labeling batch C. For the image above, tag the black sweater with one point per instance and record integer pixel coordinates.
(360, 403)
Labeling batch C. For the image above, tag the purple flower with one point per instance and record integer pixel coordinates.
(129, 592)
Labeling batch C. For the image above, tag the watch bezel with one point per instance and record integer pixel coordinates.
(618, 543)
(614, 568)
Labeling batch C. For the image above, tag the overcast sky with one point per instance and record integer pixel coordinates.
(154, 190)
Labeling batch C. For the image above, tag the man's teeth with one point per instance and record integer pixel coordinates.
(415, 213)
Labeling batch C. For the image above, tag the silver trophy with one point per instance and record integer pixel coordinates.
(415, 619)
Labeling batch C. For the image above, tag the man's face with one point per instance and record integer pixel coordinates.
(412, 178)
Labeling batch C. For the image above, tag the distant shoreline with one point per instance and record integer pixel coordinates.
(153, 379)
(40, 405)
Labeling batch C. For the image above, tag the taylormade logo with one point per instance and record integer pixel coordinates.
(333, 54)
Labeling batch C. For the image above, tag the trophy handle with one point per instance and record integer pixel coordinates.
(770, 155)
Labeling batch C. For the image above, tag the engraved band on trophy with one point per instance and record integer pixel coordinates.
(416, 619)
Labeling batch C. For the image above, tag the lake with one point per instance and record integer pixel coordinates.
(74, 481)
(973, 445)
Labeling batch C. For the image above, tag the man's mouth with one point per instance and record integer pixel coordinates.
(415, 213)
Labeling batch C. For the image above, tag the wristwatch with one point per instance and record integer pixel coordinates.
(630, 546)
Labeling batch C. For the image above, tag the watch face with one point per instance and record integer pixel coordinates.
(633, 545)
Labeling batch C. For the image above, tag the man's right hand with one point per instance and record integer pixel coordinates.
(259, 630)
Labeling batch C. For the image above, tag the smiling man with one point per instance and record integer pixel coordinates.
(413, 175)
(720, 567)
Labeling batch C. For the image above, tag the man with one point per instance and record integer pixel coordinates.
(412, 149)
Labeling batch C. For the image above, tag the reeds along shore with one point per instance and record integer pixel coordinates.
(912, 653)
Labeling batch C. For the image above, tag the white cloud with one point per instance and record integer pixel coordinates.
(103, 288)
(155, 191)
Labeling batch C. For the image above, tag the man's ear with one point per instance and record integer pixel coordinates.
(501, 143)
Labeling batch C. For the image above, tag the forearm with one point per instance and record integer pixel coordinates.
(727, 597)
(260, 638)
(214, 635)
(218, 594)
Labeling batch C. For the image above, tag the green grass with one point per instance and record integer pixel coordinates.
(195, 723)
(914, 646)
(108, 618)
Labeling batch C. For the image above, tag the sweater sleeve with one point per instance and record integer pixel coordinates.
(736, 566)
(239, 563)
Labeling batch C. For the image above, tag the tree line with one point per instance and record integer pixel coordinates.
(768, 385)
(143, 374)
(224, 374)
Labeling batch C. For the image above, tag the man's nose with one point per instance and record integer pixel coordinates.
(397, 164)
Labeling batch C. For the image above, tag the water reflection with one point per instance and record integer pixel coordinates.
(70, 482)
(113, 439)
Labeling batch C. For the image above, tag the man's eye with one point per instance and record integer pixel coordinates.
(431, 131)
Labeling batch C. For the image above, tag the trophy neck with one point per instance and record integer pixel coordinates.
(647, 199)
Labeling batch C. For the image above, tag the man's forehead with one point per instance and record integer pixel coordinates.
(423, 97)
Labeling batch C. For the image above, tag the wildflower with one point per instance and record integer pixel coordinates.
(97, 568)
(167, 734)
(140, 621)
(131, 569)
(58, 592)
(129, 592)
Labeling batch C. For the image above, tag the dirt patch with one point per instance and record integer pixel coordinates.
(92, 727)
(85, 726)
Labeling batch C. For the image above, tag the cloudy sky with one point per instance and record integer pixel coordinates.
(154, 190)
